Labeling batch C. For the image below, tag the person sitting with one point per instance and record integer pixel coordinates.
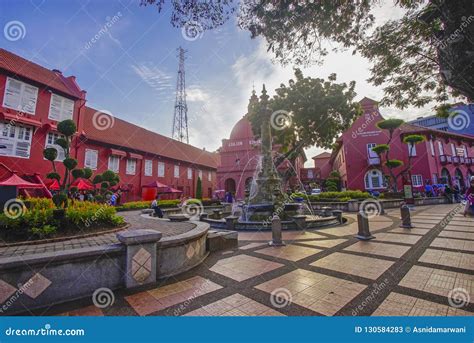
(469, 195)
(155, 206)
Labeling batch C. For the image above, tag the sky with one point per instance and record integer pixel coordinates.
(130, 69)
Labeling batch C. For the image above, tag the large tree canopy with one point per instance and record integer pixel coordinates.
(427, 55)
(308, 111)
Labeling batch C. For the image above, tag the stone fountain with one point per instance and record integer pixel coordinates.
(268, 199)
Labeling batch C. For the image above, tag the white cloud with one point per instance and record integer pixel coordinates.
(154, 77)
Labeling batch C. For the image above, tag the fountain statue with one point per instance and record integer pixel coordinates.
(268, 197)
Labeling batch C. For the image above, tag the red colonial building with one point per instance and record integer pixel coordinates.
(33, 99)
(443, 158)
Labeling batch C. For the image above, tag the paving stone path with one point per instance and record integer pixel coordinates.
(325, 272)
(133, 218)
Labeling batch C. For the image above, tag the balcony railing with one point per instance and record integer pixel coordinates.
(373, 161)
(443, 159)
(456, 159)
(469, 161)
(462, 160)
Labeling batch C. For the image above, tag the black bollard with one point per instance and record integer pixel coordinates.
(276, 233)
(363, 224)
(406, 217)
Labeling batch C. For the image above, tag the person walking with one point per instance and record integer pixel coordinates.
(469, 195)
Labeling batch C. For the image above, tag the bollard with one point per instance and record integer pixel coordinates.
(230, 222)
(405, 216)
(363, 225)
(338, 215)
(276, 233)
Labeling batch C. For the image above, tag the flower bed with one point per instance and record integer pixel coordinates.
(36, 220)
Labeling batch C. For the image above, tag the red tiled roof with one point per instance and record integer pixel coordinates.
(409, 128)
(27, 69)
(324, 154)
(132, 137)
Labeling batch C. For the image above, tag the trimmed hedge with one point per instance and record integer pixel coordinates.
(335, 196)
(37, 219)
(140, 205)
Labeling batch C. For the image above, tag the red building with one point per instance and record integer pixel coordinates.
(239, 159)
(443, 158)
(320, 171)
(34, 99)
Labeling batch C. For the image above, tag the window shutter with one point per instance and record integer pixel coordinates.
(55, 107)
(148, 167)
(161, 169)
(28, 99)
(67, 110)
(90, 159)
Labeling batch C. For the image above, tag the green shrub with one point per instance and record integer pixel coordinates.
(335, 196)
(38, 221)
(140, 205)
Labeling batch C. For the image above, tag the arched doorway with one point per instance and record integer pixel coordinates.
(458, 177)
(230, 185)
(445, 176)
(373, 179)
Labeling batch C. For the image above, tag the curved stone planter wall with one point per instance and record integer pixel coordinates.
(34, 281)
(257, 226)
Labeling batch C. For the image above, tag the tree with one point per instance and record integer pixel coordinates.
(68, 129)
(426, 55)
(199, 188)
(383, 151)
(307, 112)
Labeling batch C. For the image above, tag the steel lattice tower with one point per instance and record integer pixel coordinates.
(180, 120)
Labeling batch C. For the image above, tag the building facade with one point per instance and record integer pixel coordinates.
(34, 99)
(444, 157)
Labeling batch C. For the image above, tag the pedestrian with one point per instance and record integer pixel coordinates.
(113, 199)
(156, 207)
(469, 195)
(456, 193)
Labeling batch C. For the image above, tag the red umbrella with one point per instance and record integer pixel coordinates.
(82, 185)
(15, 180)
(156, 184)
(54, 185)
(171, 190)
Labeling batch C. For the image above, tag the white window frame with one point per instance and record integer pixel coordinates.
(432, 148)
(22, 97)
(91, 165)
(200, 174)
(10, 137)
(370, 184)
(370, 153)
(465, 151)
(148, 170)
(176, 171)
(114, 163)
(131, 166)
(190, 173)
(417, 180)
(440, 148)
(411, 149)
(54, 136)
(453, 150)
(209, 176)
(161, 169)
(66, 105)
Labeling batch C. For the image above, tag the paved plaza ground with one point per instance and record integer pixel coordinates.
(324, 272)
